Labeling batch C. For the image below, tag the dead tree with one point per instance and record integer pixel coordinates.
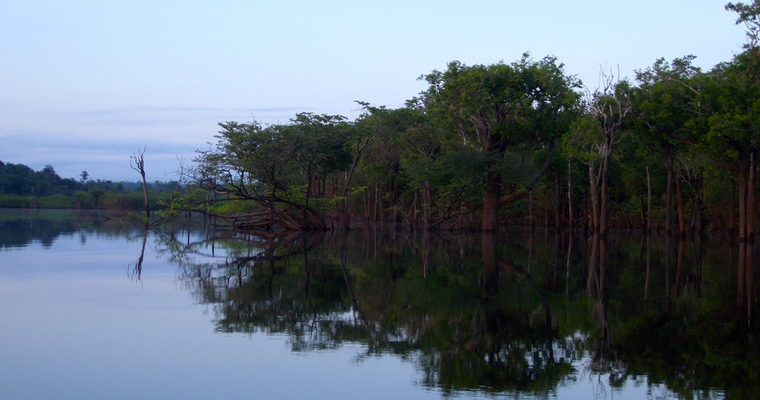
(610, 105)
(137, 162)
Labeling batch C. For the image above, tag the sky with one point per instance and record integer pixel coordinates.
(86, 84)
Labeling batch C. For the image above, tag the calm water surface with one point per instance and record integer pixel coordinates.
(96, 309)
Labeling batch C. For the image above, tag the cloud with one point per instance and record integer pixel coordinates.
(171, 116)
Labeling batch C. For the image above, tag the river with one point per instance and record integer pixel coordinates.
(94, 308)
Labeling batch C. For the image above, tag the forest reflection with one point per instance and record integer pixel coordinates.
(525, 311)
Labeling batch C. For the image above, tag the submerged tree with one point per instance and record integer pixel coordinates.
(609, 105)
(663, 109)
(275, 176)
(726, 127)
(253, 166)
(137, 163)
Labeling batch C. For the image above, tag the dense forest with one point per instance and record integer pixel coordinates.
(509, 143)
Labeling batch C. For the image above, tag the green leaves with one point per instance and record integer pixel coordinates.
(664, 104)
(502, 106)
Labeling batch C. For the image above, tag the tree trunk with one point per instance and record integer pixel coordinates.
(490, 264)
(593, 257)
(604, 206)
(345, 215)
(668, 258)
(649, 265)
(750, 229)
(367, 202)
(558, 206)
(137, 162)
(649, 202)
(145, 194)
(745, 284)
(679, 265)
(570, 194)
(746, 178)
(377, 203)
(530, 208)
(742, 178)
(569, 264)
(491, 202)
(731, 227)
(593, 197)
(696, 217)
(679, 199)
(669, 199)
(426, 201)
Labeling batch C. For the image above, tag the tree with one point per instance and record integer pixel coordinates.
(253, 164)
(271, 174)
(83, 176)
(80, 196)
(321, 152)
(727, 125)
(609, 105)
(583, 141)
(96, 195)
(137, 163)
(727, 129)
(503, 108)
(662, 109)
(365, 130)
(748, 15)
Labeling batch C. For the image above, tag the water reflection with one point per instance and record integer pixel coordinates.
(20, 228)
(135, 271)
(492, 312)
(522, 313)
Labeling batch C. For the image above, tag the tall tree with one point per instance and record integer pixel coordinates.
(728, 127)
(503, 107)
(610, 106)
(583, 141)
(662, 107)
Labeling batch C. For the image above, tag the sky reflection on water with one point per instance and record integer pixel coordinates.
(74, 326)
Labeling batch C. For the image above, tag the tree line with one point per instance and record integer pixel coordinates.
(19, 179)
(510, 143)
(23, 187)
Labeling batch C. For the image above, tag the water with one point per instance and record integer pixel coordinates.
(95, 309)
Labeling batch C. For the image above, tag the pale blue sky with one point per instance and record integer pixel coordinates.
(84, 84)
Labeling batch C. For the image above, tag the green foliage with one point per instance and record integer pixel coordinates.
(501, 106)
(662, 104)
(730, 104)
(19, 179)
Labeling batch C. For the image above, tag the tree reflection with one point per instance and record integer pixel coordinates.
(135, 271)
(21, 228)
(488, 312)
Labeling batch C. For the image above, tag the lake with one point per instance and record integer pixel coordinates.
(94, 309)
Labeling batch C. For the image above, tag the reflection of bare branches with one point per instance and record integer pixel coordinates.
(135, 272)
(203, 259)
